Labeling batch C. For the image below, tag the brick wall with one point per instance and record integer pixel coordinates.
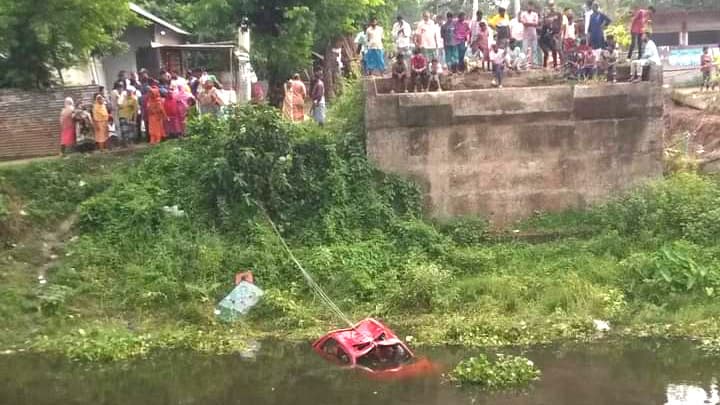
(30, 120)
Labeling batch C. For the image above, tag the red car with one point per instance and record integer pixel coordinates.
(371, 347)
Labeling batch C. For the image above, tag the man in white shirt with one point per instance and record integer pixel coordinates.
(426, 38)
(402, 34)
(651, 57)
(588, 13)
(375, 55)
(530, 20)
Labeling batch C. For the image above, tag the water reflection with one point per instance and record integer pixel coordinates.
(683, 394)
(606, 373)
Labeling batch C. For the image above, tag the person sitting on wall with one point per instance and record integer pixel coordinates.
(650, 58)
(400, 74)
(418, 71)
(608, 59)
(435, 71)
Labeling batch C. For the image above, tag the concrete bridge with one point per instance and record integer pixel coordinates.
(508, 153)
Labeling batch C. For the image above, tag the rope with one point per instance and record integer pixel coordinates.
(311, 282)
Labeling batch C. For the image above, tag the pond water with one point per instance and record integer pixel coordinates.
(637, 372)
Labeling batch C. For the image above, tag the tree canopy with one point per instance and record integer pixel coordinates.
(39, 38)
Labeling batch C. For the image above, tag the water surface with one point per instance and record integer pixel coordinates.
(603, 373)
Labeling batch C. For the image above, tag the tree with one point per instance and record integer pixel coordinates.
(38, 39)
(285, 32)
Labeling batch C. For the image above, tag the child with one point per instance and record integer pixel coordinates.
(608, 59)
(497, 57)
(400, 74)
(435, 70)
(482, 45)
(418, 71)
(517, 60)
(100, 122)
(589, 65)
(705, 68)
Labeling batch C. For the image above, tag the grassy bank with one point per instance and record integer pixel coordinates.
(159, 236)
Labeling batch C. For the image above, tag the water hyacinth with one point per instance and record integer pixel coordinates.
(505, 372)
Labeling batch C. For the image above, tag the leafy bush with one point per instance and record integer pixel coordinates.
(466, 231)
(4, 207)
(671, 270)
(503, 373)
(683, 206)
(424, 286)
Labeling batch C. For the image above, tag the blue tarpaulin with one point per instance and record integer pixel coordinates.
(243, 297)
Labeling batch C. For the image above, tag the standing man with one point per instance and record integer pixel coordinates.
(596, 30)
(650, 58)
(318, 99)
(530, 20)
(448, 35)
(462, 37)
(402, 34)
(425, 36)
(588, 13)
(375, 56)
(500, 22)
(639, 23)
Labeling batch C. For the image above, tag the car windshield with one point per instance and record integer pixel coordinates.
(385, 357)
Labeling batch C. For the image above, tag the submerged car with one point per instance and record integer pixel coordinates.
(371, 347)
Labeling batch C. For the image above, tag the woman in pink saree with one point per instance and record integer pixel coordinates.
(183, 96)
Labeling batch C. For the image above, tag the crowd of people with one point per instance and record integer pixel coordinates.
(139, 107)
(531, 39)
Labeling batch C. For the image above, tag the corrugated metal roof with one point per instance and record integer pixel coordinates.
(157, 20)
(192, 46)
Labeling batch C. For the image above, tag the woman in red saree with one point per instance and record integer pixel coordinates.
(294, 103)
(67, 134)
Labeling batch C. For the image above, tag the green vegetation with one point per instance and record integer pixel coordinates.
(37, 42)
(505, 372)
(137, 276)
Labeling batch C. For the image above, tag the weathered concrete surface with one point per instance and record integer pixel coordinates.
(509, 153)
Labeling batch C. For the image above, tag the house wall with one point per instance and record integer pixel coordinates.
(135, 37)
(170, 37)
(30, 120)
(506, 154)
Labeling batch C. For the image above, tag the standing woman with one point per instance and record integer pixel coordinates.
(100, 121)
(67, 133)
(209, 101)
(183, 97)
(299, 92)
(128, 111)
(156, 116)
(172, 124)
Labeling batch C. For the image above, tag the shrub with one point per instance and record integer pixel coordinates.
(683, 206)
(503, 373)
(466, 231)
(4, 207)
(671, 270)
(424, 286)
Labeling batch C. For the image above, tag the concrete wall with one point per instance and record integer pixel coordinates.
(30, 120)
(508, 153)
